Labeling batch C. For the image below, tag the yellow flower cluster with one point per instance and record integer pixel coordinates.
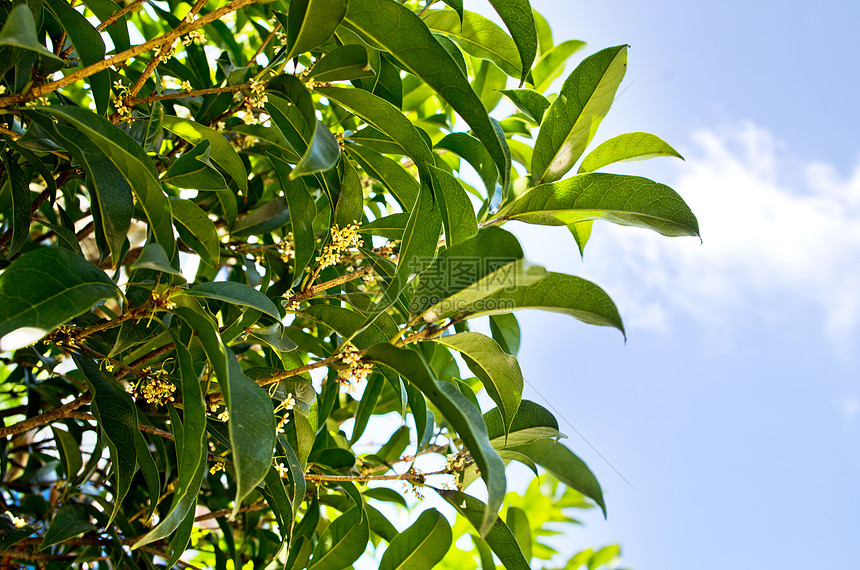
(122, 109)
(342, 239)
(287, 247)
(156, 391)
(254, 101)
(287, 404)
(216, 467)
(193, 36)
(356, 370)
(17, 521)
(163, 301)
(166, 52)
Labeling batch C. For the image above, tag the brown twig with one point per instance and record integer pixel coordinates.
(41, 90)
(320, 287)
(51, 415)
(137, 100)
(296, 371)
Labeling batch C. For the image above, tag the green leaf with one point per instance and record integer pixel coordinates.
(518, 522)
(366, 405)
(20, 191)
(581, 232)
(551, 64)
(387, 118)
(343, 542)
(195, 170)
(90, 47)
(236, 294)
(573, 118)
(500, 538)
(386, 494)
(132, 161)
(251, 427)
(116, 413)
(45, 288)
(221, 151)
(462, 275)
(506, 331)
(70, 452)
(621, 199)
(460, 414)
(350, 203)
(196, 230)
(475, 154)
(112, 191)
(629, 146)
(193, 458)
(531, 423)
(408, 39)
(422, 545)
(530, 102)
(518, 18)
(499, 372)
(458, 217)
(320, 150)
(71, 520)
(311, 23)
(391, 173)
(118, 30)
(564, 464)
(153, 257)
(341, 64)
(390, 227)
(479, 37)
(19, 31)
(269, 217)
(302, 210)
(488, 83)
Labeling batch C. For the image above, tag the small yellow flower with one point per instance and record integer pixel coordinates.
(281, 469)
(216, 467)
(186, 85)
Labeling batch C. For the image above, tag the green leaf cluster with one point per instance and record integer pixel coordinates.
(242, 265)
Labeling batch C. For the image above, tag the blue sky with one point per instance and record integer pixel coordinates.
(734, 408)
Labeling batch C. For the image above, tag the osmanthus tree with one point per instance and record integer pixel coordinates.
(238, 238)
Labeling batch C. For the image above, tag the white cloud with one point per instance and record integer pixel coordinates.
(781, 238)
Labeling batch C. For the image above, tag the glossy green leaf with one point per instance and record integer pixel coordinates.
(193, 459)
(302, 213)
(343, 542)
(506, 331)
(251, 427)
(116, 414)
(236, 294)
(422, 545)
(195, 170)
(466, 273)
(573, 118)
(530, 102)
(479, 37)
(196, 230)
(311, 23)
(387, 495)
(342, 63)
(220, 150)
(518, 522)
(518, 18)
(20, 203)
(629, 146)
(621, 199)
(319, 147)
(460, 413)
(135, 166)
(45, 288)
(385, 117)
(390, 227)
(458, 216)
(564, 464)
(551, 64)
(408, 39)
(113, 193)
(475, 154)
(89, 46)
(366, 405)
(153, 257)
(489, 82)
(499, 372)
(390, 173)
(118, 30)
(269, 217)
(350, 203)
(19, 31)
(500, 538)
(70, 452)
(531, 423)
(71, 520)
